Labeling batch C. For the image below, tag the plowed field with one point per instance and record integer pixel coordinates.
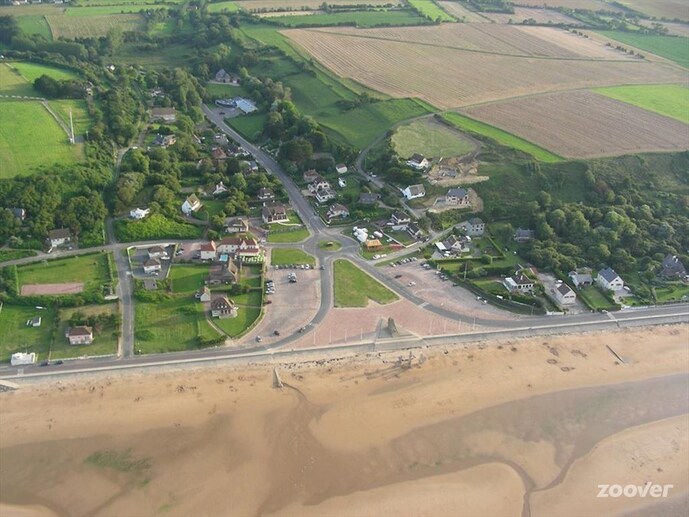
(584, 124)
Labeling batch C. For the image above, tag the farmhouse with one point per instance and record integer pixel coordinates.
(324, 195)
(59, 237)
(191, 204)
(220, 188)
(672, 267)
(157, 252)
(337, 210)
(474, 227)
(609, 280)
(139, 213)
(223, 273)
(368, 198)
(164, 114)
(207, 250)
(80, 335)
(563, 294)
(341, 168)
(418, 162)
(164, 140)
(581, 277)
(457, 196)
(221, 307)
(236, 225)
(522, 235)
(152, 266)
(518, 283)
(414, 191)
(265, 194)
(274, 214)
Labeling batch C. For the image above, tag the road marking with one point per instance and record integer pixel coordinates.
(422, 305)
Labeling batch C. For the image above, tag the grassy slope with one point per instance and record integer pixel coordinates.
(155, 227)
(32, 71)
(354, 288)
(669, 47)
(80, 114)
(90, 269)
(429, 138)
(17, 337)
(291, 256)
(35, 24)
(12, 83)
(671, 100)
(500, 136)
(431, 10)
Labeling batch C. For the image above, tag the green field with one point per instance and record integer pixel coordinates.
(673, 48)
(282, 256)
(249, 126)
(289, 236)
(671, 100)
(361, 19)
(223, 6)
(155, 227)
(354, 288)
(500, 136)
(91, 269)
(6, 254)
(12, 83)
(22, 125)
(102, 10)
(17, 337)
(80, 114)
(187, 279)
(431, 139)
(35, 24)
(32, 71)
(224, 90)
(431, 10)
(93, 26)
(104, 343)
(248, 310)
(595, 298)
(169, 56)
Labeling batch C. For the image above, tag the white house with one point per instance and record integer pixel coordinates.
(324, 195)
(337, 210)
(152, 266)
(157, 252)
(563, 294)
(474, 227)
(139, 213)
(341, 168)
(191, 204)
(59, 237)
(518, 283)
(418, 162)
(609, 280)
(204, 295)
(457, 196)
(221, 307)
(318, 183)
(414, 191)
(207, 250)
(274, 214)
(80, 335)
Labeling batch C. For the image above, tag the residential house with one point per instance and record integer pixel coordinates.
(191, 204)
(474, 227)
(218, 155)
(581, 278)
(236, 225)
(80, 335)
(223, 273)
(251, 166)
(18, 213)
(204, 295)
(341, 168)
(609, 280)
(519, 283)
(221, 139)
(265, 194)
(563, 294)
(221, 307)
(414, 191)
(523, 235)
(457, 196)
(373, 244)
(152, 266)
(454, 244)
(337, 210)
(672, 268)
(414, 230)
(318, 184)
(417, 161)
(157, 252)
(241, 247)
(139, 213)
(274, 214)
(164, 140)
(221, 76)
(164, 115)
(245, 106)
(59, 237)
(324, 195)
(220, 188)
(208, 250)
(399, 220)
(368, 198)
(311, 175)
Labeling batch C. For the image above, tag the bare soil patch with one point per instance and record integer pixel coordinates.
(52, 289)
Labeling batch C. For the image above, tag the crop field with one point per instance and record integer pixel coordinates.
(296, 5)
(462, 13)
(431, 139)
(32, 71)
(677, 29)
(673, 48)
(18, 139)
(169, 56)
(670, 9)
(671, 100)
(591, 5)
(71, 27)
(584, 124)
(538, 15)
(457, 65)
(431, 10)
(357, 18)
(223, 6)
(35, 24)
(12, 83)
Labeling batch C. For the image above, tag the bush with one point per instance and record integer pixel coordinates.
(155, 227)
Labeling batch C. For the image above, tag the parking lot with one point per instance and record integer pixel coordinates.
(138, 256)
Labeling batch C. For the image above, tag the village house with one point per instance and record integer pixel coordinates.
(672, 268)
(220, 188)
(563, 294)
(324, 195)
(518, 283)
(523, 235)
(399, 220)
(204, 295)
(163, 115)
(152, 266)
(317, 184)
(218, 155)
(418, 162)
(609, 280)
(18, 213)
(59, 237)
(265, 194)
(414, 230)
(191, 204)
(337, 210)
(581, 278)
(274, 214)
(221, 139)
(414, 191)
(453, 244)
(474, 227)
(341, 168)
(368, 198)
(79, 335)
(221, 76)
(221, 308)
(241, 247)
(457, 196)
(236, 225)
(226, 273)
(139, 213)
(157, 252)
(311, 175)
(164, 140)
(207, 251)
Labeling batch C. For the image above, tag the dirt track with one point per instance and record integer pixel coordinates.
(51, 289)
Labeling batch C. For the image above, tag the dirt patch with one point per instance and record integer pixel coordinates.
(51, 289)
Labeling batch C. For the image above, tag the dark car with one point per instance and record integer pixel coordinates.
(44, 363)
(276, 332)
(60, 361)
(398, 276)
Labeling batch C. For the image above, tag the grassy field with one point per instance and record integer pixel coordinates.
(671, 100)
(35, 24)
(91, 269)
(92, 26)
(12, 83)
(500, 136)
(354, 288)
(431, 10)
(361, 19)
(248, 310)
(431, 139)
(104, 343)
(187, 279)
(223, 6)
(673, 48)
(281, 256)
(17, 337)
(224, 90)
(32, 71)
(166, 57)
(6, 255)
(290, 236)
(248, 125)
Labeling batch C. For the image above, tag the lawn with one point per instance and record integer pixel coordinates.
(35, 24)
(282, 256)
(431, 139)
(22, 125)
(361, 19)
(249, 126)
(671, 293)
(104, 343)
(90, 269)
(12, 83)
(17, 337)
(673, 48)
(500, 136)
(155, 227)
(595, 299)
(289, 236)
(354, 288)
(187, 279)
(671, 100)
(246, 316)
(225, 90)
(431, 10)
(6, 255)
(32, 71)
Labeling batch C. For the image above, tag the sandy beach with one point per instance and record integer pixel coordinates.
(476, 430)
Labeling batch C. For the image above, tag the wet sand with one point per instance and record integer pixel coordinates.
(513, 428)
